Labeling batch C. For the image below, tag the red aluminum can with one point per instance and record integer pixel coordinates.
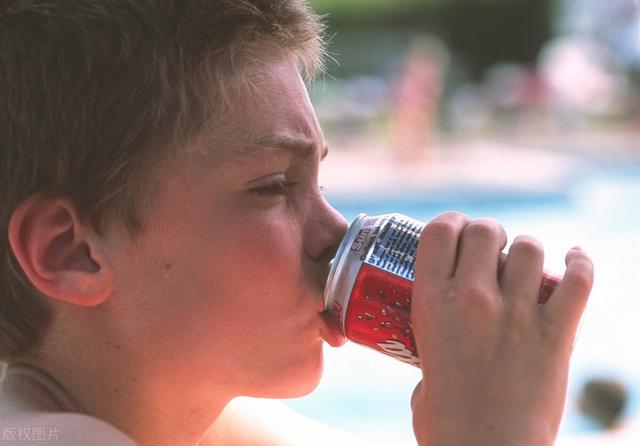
(369, 286)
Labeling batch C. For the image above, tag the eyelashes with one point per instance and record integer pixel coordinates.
(278, 188)
(275, 188)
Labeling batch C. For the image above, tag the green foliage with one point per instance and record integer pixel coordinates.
(372, 8)
(401, 7)
(361, 12)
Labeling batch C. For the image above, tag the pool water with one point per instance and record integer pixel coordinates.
(368, 394)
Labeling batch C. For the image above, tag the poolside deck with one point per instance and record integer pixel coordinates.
(535, 164)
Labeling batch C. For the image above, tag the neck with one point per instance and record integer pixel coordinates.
(150, 402)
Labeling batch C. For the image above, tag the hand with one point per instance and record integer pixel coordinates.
(495, 362)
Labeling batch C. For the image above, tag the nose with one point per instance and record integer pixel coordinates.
(323, 233)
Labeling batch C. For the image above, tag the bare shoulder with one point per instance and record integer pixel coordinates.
(69, 429)
(248, 421)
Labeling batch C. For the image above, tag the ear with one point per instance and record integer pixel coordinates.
(62, 258)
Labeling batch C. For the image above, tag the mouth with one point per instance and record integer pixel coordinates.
(331, 331)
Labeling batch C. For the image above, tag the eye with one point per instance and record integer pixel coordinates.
(276, 188)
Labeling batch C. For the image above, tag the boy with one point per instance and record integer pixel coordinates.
(165, 244)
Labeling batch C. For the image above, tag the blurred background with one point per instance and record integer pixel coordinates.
(521, 110)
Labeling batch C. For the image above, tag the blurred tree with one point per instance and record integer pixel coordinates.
(366, 33)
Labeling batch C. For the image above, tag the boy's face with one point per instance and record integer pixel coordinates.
(224, 287)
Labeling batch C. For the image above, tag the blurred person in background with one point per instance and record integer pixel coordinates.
(416, 98)
(583, 80)
(604, 402)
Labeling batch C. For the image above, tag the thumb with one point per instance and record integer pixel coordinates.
(566, 305)
(416, 395)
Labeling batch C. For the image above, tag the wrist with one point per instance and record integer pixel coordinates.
(483, 437)
(450, 431)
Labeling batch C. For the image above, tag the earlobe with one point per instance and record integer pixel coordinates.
(63, 258)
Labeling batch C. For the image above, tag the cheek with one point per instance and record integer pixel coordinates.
(237, 295)
(259, 275)
(269, 246)
(249, 264)
(251, 269)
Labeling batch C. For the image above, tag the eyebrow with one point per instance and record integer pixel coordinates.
(296, 146)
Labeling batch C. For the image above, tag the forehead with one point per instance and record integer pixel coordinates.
(271, 110)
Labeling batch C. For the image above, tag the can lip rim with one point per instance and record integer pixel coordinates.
(339, 259)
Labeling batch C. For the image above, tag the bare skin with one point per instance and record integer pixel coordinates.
(498, 361)
(221, 293)
(156, 335)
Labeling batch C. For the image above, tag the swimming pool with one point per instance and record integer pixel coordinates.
(597, 208)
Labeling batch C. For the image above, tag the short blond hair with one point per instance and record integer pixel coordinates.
(94, 92)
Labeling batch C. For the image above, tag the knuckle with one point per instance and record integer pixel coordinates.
(475, 298)
(527, 245)
(451, 216)
(440, 228)
(447, 224)
(484, 228)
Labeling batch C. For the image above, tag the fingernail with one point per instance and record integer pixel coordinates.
(575, 250)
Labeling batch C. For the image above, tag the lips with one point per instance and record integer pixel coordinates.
(331, 331)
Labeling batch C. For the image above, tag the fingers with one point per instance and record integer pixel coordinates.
(568, 301)
(480, 246)
(522, 271)
(438, 247)
(435, 265)
(454, 247)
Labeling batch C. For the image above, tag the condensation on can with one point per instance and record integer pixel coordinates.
(369, 286)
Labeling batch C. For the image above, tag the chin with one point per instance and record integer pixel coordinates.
(306, 384)
(295, 381)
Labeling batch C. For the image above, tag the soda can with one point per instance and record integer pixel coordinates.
(369, 286)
